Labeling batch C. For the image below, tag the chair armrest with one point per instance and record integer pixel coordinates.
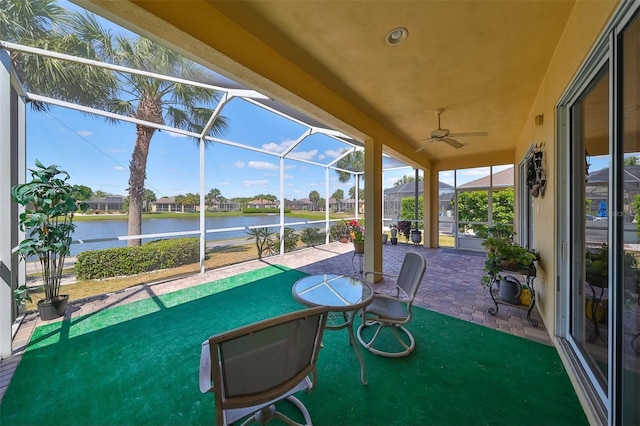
(391, 297)
(205, 368)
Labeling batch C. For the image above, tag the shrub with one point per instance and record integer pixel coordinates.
(312, 236)
(161, 254)
(337, 230)
(264, 240)
(404, 227)
(290, 240)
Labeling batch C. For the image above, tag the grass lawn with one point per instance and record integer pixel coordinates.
(216, 258)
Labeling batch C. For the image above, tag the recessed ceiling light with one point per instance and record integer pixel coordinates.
(397, 35)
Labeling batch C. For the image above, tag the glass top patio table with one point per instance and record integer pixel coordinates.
(344, 296)
(340, 292)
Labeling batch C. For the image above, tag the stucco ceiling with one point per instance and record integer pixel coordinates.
(481, 61)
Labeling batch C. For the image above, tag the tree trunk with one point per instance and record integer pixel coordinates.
(137, 176)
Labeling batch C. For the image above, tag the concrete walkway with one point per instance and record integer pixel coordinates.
(451, 286)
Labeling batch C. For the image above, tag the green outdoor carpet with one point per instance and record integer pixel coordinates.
(138, 364)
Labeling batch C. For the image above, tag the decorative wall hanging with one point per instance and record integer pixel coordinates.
(536, 177)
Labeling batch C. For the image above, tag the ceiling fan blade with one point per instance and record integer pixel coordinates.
(462, 135)
(454, 143)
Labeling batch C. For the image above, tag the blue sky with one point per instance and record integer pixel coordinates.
(97, 154)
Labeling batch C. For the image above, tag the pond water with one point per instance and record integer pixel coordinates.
(106, 231)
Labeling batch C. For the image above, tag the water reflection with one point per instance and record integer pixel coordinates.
(110, 229)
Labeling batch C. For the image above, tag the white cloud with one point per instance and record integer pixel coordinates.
(119, 168)
(259, 182)
(304, 155)
(332, 153)
(286, 176)
(277, 147)
(239, 164)
(175, 135)
(262, 165)
(315, 185)
(84, 133)
(321, 157)
(225, 183)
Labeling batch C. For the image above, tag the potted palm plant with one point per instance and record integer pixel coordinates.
(48, 223)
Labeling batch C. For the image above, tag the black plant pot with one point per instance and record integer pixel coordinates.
(416, 236)
(54, 308)
(394, 241)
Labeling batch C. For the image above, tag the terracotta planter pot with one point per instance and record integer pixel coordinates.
(358, 247)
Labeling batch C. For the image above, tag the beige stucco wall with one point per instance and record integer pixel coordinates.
(587, 22)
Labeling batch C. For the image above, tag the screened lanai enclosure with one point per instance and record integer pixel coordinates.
(178, 136)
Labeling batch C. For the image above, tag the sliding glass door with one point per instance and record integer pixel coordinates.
(599, 218)
(589, 157)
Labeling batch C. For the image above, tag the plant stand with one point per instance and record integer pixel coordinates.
(594, 307)
(494, 288)
(358, 268)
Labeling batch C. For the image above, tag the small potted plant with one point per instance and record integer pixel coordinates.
(505, 255)
(344, 232)
(48, 223)
(394, 234)
(404, 227)
(357, 235)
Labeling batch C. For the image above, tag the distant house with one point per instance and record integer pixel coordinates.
(597, 190)
(393, 197)
(164, 204)
(110, 203)
(261, 203)
(302, 204)
(168, 204)
(226, 206)
(501, 179)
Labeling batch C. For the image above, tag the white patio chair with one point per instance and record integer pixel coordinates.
(251, 368)
(392, 312)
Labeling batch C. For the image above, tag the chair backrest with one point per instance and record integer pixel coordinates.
(411, 273)
(262, 361)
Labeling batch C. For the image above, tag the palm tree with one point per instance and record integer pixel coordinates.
(314, 197)
(149, 197)
(407, 179)
(149, 99)
(338, 195)
(44, 24)
(145, 98)
(355, 162)
(213, 195)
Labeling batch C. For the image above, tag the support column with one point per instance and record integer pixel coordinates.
(373, 206)
(11, 132)
(431, 212)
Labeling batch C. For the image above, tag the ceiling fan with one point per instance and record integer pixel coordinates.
(443, 135)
